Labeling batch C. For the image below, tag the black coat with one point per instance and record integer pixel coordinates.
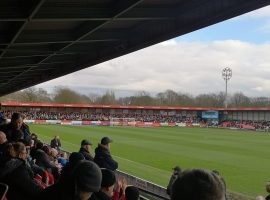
(19, 177)
(61, 190)
(104, 159)
(55, 143)
(100, 196)
(86, 154)
(14, 135)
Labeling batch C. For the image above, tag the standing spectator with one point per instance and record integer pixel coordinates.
(16, 130)
(56, 143)
(103, 156)
(176, 173)
(86, 146)
(198, 184)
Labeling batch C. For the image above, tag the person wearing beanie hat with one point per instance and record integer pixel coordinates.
(103, 156)
(86, 146)
(85, 179)
(107, 186)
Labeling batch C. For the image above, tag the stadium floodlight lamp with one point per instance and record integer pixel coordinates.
(227, 75)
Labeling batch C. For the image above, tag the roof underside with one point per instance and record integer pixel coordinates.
(45, 39)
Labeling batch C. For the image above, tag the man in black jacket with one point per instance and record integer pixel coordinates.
(56, 143)
(85, 150)
(16, 130)
(103, 157)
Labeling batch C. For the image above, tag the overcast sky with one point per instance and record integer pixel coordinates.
(190, 64)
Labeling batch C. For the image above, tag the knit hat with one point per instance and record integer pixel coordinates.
(132, 193)
(106, 140)
(74, 158)
(108, 178)
(87, 176)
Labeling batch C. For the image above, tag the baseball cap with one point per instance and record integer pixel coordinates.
(86, 142)
(106, 140)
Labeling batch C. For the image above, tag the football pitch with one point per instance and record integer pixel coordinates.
(241, 157)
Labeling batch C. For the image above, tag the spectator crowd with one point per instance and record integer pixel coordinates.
(157, 118)
(34, 170)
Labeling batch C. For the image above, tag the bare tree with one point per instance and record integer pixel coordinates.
(239, 100)
(108, 98)
(66, 95)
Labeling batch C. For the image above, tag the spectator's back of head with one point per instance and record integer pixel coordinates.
(75, 158)
(87, 176)
(3, 137)
(198, 184)
(106, 141)
(108, 178)
(132, 193)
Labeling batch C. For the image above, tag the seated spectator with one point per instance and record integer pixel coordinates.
(19, 176)
(119, 193)
(85, 150)
(56, 143)
(103, 156)
(107, 186)
(176, 173)
(198, 184)
(85, 180)
(43, 160)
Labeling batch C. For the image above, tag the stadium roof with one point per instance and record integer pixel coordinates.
(44, 39)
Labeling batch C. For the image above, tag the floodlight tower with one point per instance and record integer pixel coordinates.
(227, 75)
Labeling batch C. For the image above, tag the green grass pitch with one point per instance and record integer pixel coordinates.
(242, 157)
